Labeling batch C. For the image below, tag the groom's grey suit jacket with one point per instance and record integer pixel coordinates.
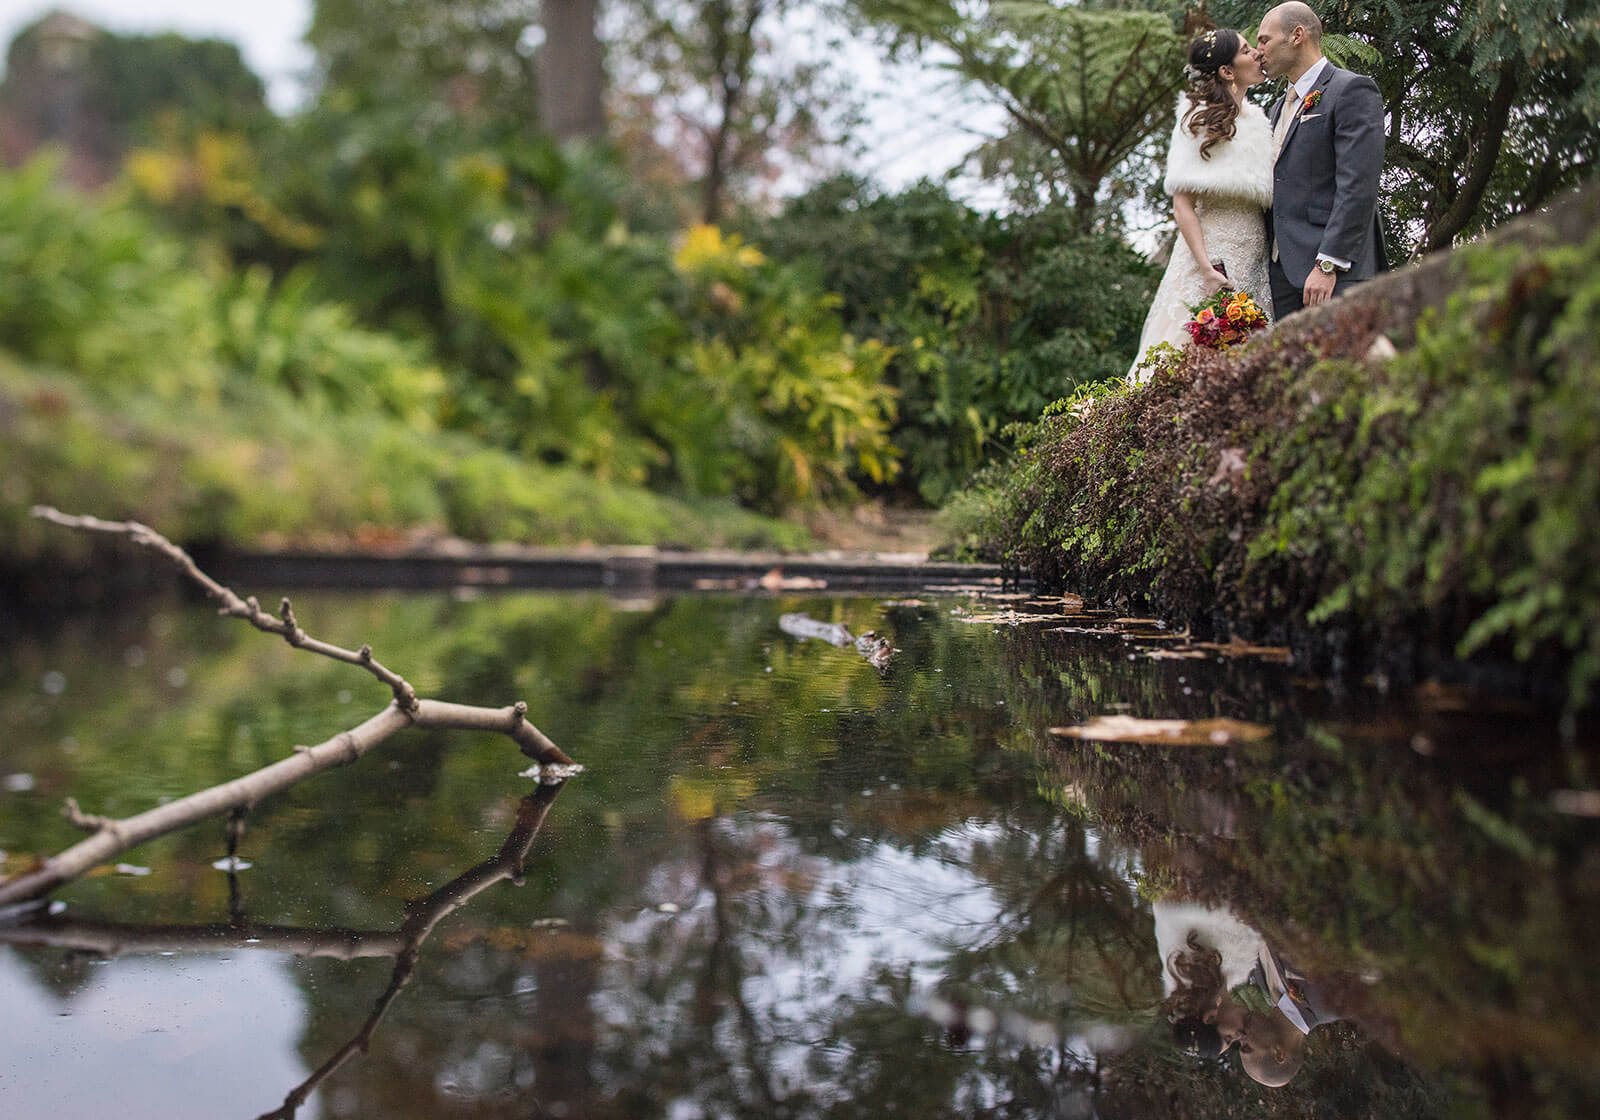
(1325, 181)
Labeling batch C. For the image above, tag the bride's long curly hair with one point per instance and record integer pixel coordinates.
(1212, 109)
(1198, 971)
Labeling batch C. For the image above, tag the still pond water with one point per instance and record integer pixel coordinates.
(788, 883)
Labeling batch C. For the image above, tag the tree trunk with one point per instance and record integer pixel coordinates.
(715, 183)
(1083, 205)
(1442, 228)
(571, 80)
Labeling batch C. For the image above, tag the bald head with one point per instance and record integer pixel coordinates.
(1289, 40)
(1272, 1050)
(1295, 14)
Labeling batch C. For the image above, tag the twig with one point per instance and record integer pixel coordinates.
(232, 606)
(110, 837)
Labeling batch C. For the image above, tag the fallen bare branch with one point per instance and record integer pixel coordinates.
(110, 837)
(232, 605)
(875, 649)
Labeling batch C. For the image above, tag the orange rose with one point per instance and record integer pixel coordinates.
(1205, 315)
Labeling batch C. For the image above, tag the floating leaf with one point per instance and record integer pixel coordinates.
(775, 580)
(1072, 603)
(1165, 732)
(1011, 618)
(1576, 802)
(1236, 647)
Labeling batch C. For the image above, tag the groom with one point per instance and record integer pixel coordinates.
(1328, 132)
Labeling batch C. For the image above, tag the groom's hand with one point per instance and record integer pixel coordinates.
(1319, 287)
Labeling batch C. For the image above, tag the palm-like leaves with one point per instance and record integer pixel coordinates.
(1090, 85)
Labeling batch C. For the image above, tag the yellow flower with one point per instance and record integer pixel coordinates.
(703, 247)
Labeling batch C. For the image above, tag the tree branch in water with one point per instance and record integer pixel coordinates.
(110, 837)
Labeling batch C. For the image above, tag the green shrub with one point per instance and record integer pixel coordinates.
(988, 318)
(315, 350)
(97, 290)
(1436, 505)
(258, 469)
(572, 337)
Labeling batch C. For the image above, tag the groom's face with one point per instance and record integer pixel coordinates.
(1277, 50)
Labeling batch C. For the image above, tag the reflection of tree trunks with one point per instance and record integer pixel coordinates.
(111, 837)
(117, 939)
(1083, 885)
(564, 1045)
(110, 939)
(722, 969)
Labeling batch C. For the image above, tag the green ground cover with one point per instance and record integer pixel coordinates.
(255, 468)
(1374, 509)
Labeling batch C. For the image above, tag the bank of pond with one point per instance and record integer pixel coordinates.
(1402, 482)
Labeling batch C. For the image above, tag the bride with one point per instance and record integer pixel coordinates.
(1219, 173)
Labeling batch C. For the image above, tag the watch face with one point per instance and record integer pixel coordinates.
(1326, 266)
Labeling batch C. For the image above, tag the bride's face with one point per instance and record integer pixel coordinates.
(1246, 66)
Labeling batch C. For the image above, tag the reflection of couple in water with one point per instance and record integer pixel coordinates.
(1225, 986)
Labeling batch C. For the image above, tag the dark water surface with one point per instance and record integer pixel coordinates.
(787, 884)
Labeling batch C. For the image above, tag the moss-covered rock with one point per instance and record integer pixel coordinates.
(1405, 479)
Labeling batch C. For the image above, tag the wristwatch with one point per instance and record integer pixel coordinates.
(1327, 266)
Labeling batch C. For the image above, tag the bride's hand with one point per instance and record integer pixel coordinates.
(1215, 282)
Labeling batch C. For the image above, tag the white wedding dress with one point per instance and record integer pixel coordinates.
(1232, 191)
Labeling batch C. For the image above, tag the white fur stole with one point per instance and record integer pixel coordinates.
(1240, 168)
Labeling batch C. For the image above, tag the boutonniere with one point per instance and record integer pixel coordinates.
(1311, 101)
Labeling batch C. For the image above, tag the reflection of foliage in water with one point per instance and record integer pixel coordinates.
(846, 849)
(1442, 900)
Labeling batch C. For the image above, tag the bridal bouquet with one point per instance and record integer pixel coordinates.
(1224, 320)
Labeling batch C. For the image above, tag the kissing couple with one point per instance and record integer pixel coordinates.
(1284, 201)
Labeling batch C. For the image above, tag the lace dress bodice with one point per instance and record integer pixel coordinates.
(1231, 193)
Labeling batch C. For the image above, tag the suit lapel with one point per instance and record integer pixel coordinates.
(1294, 126)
